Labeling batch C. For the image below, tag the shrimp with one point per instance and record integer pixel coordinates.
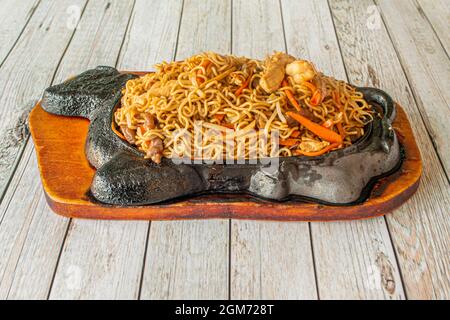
(301, 71)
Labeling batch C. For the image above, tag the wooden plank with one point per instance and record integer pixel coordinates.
(18, 78)
(427, 68)
(100, 260)
(38, 234)
(437, 12)
(28, 69)
(352, 258)
(14, 17)
(420, 229)
(268, 260)
(189, 259)
(30, 235)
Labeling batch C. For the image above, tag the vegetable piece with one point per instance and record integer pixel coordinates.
(317, 153)
(205, 64)
(295, 134)
(290, 96)
(310, 86)
(244, 86)
(289, 142)
(219, 117)
(316, 98)
(324, 133)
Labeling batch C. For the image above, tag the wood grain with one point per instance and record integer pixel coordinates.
(44, 261)
(261, 251)
(14, 17)
(97, 254)
(438, 14)
(30, 235)
(32, 61)
(420, 228)
(313, 38)
(427, 68)
(197, 266)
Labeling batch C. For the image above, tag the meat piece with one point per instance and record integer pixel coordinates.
(160, 90)
(275, 70)
(129, 134)
(320, 85)
(149, 123)
(309, 145)
(155, 150)
(301, 71)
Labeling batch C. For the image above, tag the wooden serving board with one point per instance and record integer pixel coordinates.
(66, 177)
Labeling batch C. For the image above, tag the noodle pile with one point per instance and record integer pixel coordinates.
(161, 111)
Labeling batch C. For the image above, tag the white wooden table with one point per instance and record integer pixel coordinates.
(401, 46)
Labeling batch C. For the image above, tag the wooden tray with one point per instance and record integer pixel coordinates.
(67, 175)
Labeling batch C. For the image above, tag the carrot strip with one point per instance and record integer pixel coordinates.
(290, 95)
(219, 117)
(289, 142)
(118, 133)
(205, 64)
(243, 86)
(324, 133)
(316, 98)
(295, 134)
(317, 153)
(310, 86)
(341, 130)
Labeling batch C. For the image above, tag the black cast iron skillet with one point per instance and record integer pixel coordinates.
(124, 177)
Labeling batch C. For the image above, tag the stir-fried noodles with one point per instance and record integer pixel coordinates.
(239, 97)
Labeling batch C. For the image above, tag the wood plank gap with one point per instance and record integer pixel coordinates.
(424, 14)
(30, 15)
(61, 249)
(141, 281)
(313, 258)
(413, 91)
(400, 272)
(127, 29)
(397, 262)
(175, 51)
(13, 171)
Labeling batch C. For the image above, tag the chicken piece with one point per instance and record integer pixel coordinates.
(275, 70)
(155, 150)
(301, 71)
(129, 134)
(149, 121)
(309, 145)
(320, 85)
(162, 90)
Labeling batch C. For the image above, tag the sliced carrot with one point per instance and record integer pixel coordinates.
(295, 134)
(316, 98)
(341, 130)
(324, 133)
(143, 130)
(289, 142)
(205, 64)
(317, 153)
(243, 86)
(227, 125)
(290, 95)
(310, 86)
(219, 117)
